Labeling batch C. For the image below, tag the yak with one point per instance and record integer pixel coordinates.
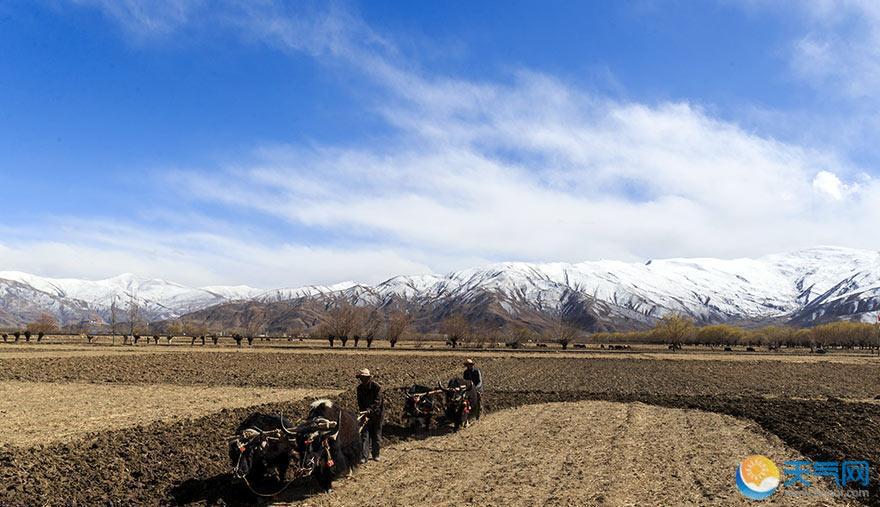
(462, 402)
(418, 408)
(261, 447)
(329, 453)
(326, 445)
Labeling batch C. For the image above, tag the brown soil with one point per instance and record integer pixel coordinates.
(584, 453)
(37, 413)
(185, 461)
(335, 371)
(230, 368)
(71, 347)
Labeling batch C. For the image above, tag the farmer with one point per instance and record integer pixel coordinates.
(473, 374)
(369, 396)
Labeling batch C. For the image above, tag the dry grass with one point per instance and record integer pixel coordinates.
(38, 412)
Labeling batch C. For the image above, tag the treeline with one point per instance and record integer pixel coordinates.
(676, 330)
(346, 323)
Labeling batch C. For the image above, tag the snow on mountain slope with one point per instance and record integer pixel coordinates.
(234, 292)
(156, 299)
(21, 303)
(806, 285)
(274, 295)
(773, 286)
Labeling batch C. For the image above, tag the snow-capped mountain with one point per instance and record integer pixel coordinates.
(23, 295)
(275, 295)
(805, 286)
(827, 282)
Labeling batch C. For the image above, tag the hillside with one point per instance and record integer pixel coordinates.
(804, 287)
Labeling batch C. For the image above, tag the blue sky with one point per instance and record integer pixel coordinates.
(272, 143)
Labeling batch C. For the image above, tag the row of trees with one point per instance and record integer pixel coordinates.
(44, 324)
(676, 330)
(460, 332)
(346, 322)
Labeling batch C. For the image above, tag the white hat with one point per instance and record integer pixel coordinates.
(364, 373)
(468, 361)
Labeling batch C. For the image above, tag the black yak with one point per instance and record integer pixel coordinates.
(462, 403)
(330, 453)
(261, 447)
(418, 408)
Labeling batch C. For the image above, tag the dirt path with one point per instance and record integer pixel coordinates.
(584, 453)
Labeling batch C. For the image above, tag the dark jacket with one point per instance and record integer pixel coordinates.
(474, 376)
(369, 397)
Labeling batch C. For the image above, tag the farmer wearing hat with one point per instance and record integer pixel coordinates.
(473, 374)
(369, 396)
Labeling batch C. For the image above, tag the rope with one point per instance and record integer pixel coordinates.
(431, 449)
(248, 483)
(268, 495)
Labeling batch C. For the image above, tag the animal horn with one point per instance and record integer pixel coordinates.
(338, 425)
(294, 431)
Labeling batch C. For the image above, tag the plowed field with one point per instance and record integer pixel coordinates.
(824, 410)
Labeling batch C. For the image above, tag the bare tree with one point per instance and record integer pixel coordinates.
(396, 327)
(175, 328)
(456, 328)
(518, 334)
(367, 325)
(673, 329)
(564, 333)
(487, 335)
(114, 317)
(134, 312)
(254, 327)
(342, 322)
(44, 324)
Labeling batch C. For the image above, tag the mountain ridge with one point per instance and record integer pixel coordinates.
(803, 287)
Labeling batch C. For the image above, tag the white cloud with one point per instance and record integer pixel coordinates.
(155, 17)
(100, 249)
(829, 184)
(530, 169)
(841, 49)
(537, 170)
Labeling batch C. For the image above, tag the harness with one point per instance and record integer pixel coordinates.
(299, 471)
(363, 418)
(417, 398)
(243, 447)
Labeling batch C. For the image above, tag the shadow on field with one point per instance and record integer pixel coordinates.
(828, 429)
(186, 461)
(222, 489)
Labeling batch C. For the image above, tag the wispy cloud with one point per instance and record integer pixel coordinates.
(841, 49)
(152, 18)
(532, 168)
(536, 170)
(95, 249)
